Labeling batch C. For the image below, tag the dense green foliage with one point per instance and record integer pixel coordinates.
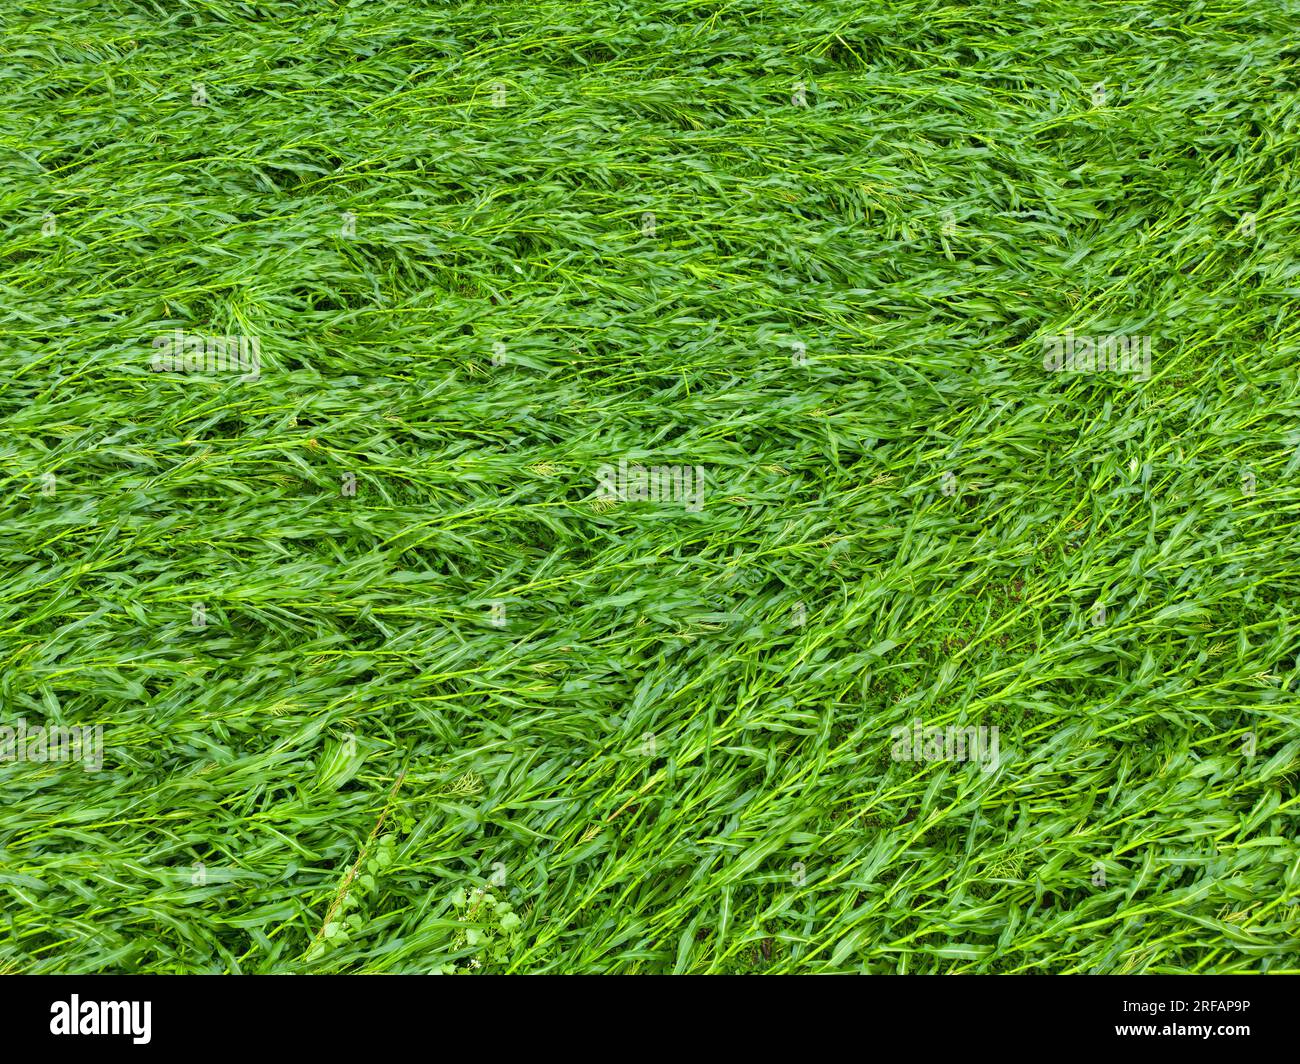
(388, 684)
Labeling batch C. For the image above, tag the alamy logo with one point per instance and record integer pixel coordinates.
(102, 1017)
(84, 743)
(180, 352)
(1098, 354)
(674, 483)
(953, 743)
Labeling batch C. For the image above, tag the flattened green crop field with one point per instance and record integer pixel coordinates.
(649, 487)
